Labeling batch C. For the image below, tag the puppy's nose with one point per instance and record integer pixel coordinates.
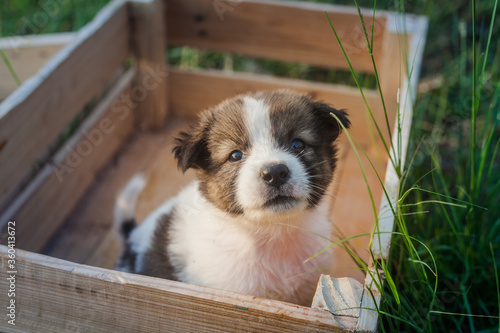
(275, 175)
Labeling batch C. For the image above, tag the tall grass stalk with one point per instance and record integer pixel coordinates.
(10, 68)
(497, 282)
(412, 299)
(472, 153)
(370, 112)
(395, 163)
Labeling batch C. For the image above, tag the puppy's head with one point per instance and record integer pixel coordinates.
(263, 155)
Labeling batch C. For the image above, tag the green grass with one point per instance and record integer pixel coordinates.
(445, 253)
(31, 17)
(453, 144)
(455, 134)
(10, 68)
(444, 277)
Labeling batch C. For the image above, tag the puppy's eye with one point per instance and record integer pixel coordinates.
(235, 156)
(297, 145)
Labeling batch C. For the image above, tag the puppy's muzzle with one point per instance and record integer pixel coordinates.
(275, 175)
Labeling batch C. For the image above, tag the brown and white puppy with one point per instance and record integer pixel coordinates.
(258, 211)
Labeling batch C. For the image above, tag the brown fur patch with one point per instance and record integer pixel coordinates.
(227, 133)
(156, 261)
(222, 130)
(295, 116)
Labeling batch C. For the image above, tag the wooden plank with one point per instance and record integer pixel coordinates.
(370, 302)
(391, 72)
(44, 205)
(54, 295)
(164, 181)
(27, 54)
(36, 113)
(352, 213)
(411, 41)
(89, 236)
(192, 91)
(280, 30)
(148, 45)
(342, 297)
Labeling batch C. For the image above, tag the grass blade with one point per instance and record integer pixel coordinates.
(497, 282)
(370, 53)
(10, 68)
(474, 108)
(362, 93)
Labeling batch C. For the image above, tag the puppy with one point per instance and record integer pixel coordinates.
(258, 211)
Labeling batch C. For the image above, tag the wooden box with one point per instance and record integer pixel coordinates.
(56, 204)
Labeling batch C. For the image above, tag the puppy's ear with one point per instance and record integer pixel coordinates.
(328, 124)
(191, 148)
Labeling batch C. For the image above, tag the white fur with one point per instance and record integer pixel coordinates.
(127, 199)
(141, 237)
(228, 253)
(265, 151)
(231, 253)
(257, 121)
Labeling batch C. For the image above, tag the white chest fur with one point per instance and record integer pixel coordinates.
(219, 251)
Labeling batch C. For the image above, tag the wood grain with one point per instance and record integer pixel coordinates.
(27, 54)
(148, 45)
(42, 208)
(192, 91)
(370, 302)
(89, 236)
(35, 114)
(55, 296)
(409, 49)
(279, 30)
(352, 214)
(341, 296)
